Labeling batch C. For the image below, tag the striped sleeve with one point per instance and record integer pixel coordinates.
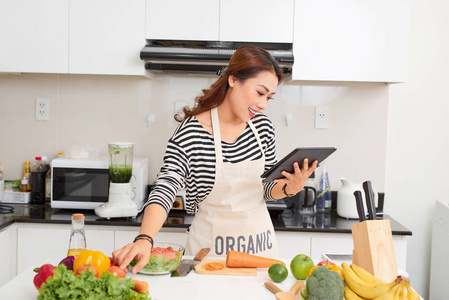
(171, 177)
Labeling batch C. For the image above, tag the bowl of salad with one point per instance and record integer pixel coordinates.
(164, 258)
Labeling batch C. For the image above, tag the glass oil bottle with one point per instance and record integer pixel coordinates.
(77, 243)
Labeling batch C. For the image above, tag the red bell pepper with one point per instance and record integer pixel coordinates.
(43, 273)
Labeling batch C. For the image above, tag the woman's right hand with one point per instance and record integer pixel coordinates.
(140, 250)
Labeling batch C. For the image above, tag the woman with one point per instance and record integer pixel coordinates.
(218, 153)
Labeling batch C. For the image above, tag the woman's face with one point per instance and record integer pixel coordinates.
(250, 97)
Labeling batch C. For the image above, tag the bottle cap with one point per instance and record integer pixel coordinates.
(78, 217)
(38, 158)
(27, 162)
(60, 153)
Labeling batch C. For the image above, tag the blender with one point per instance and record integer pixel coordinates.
(120, 203)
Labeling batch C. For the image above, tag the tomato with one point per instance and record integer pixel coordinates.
(86, 267)
(117, 271)
(94, 258)
(170, 255)
(165, 252)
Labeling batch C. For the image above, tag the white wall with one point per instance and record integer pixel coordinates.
(94, 110)
(418, 135)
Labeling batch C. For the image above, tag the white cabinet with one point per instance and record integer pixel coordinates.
(351, 40)
(292, 243)
(72, 36)
(256, 21)
(106, 36)
(42, 244)
(343, 244)
(8, 249)
(48, 243)
(34, 36)
(182, 20)
(224, 20)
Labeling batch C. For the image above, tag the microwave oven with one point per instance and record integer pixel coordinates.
(84, 183)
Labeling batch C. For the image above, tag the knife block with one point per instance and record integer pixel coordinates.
(374, 249)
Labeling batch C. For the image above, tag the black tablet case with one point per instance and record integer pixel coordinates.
(298, 154)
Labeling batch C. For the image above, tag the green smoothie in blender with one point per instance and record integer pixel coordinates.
(120, 174)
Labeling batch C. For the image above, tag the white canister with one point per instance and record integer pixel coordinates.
(346, 205)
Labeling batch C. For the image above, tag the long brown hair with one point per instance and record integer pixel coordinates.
(246, 62)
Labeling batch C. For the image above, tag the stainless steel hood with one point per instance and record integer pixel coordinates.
(209, 57)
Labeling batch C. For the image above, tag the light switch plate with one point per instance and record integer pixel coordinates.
(321, 117)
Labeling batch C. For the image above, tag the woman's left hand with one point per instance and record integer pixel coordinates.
(296, 181)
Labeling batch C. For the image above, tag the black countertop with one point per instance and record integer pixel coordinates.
(288, 220)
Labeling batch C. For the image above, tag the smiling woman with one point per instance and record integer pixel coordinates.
(247, 62)
(218, 152)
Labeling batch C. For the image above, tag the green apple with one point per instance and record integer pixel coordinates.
(300, 266)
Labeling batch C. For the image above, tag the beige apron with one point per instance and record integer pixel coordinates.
(234, 215)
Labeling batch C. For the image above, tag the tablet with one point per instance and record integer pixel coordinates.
(298, 154)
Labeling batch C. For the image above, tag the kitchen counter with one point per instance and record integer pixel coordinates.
(192, 286)
(39, 226)
(288, 220)
(160, 287)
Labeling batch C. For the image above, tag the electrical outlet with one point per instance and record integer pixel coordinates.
(321, 117)
(42, 109)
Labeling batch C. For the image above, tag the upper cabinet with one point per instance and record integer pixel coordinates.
(256, 20)
(196, 20)
(351, 40)
(333, 40)
(72, 36)
(106, 36)
(223, 20)
(34, 36)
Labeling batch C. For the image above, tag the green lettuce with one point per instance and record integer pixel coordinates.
(65, 285)
(158, 264)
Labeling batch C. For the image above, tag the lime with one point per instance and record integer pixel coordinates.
(278, 272)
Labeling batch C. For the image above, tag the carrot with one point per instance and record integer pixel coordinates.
(216, 265)
(140, 286)
(213, 266)
(237, 259)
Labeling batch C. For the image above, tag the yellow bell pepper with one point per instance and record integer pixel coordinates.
(94, 258)
(334, 268)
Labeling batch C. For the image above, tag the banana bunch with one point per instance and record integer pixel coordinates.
(360, 284)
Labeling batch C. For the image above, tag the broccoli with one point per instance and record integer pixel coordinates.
(324, 284)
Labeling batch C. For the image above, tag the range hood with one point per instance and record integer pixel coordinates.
(209, 57)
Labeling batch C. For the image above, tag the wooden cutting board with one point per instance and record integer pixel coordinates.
(226, 271)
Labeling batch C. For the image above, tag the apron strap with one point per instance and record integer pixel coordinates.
(217, 135)
(253, 128)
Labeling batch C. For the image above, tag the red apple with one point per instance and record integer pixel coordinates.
(325, 262)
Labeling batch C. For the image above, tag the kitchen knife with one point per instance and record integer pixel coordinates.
(187, 265)
(359, 203)
(369, 200)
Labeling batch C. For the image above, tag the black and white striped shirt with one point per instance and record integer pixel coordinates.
(189, 161)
